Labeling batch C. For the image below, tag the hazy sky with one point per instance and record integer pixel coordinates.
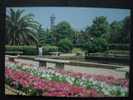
(79, 18)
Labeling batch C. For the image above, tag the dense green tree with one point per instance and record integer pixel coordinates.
(20, 28)
(65, 45)
(63, 30)
(52, 38)
(99, 27)
(93, 45)
(76, 37)
(115, 32)
(120, 31)
(126, 29)
(42, 36)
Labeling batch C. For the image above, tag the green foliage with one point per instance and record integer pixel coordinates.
(77, 36)
(126, 52)
(115, 32)
(102, 44)
(42, 36)
(49, 48)
(27, 50)
(78, 51)
(99, 26)
(62, 30)
(96, 45)
(120, 31)
(13, 52)
(119, 46)
(31, 50)
(126, 29)
(65, 45)
(14, 48)
(20, 28)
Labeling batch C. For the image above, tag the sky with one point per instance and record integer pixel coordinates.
(78, 17)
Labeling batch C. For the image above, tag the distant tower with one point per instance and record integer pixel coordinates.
(52, 21)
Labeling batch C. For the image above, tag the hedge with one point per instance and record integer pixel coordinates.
(49, 48)
(30, 50)
(119, 46)
(27, 50)
(119, 52)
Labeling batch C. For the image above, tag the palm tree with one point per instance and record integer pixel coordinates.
(20, 28)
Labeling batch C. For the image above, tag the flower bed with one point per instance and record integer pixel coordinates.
(109, 86)
(32, 85)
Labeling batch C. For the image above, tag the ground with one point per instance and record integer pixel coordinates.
(9, 90)
(90, 70)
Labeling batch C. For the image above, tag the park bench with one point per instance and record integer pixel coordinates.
(59, 63)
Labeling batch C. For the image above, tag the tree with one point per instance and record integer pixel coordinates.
(120, 31)
(20, 28)
(99, 27)
(62, 30)
(51, 38)
(93, 45)
(76, 38)
(42, 36)
(126, 29)
(65, 45)
(115, 32)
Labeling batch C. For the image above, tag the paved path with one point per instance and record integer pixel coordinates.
(89, 70)
(96, 71)
(9, 90)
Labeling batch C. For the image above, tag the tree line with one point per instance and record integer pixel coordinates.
(23, 29)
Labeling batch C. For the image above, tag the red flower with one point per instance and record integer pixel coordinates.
(53, 88)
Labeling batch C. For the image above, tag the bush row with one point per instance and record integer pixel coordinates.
(49, 48)
(119, 46)
(119, 52)
(29, 50)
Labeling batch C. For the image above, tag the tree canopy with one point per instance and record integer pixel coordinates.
(99, 27)
(20, 28)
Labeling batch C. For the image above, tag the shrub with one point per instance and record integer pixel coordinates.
(27, 50)
(101, 44)
(119, 46)
(65, 45)
(119, 52)
(78, 51)
(96, 45)
(30, 50)
(49, 48)
(14, 48)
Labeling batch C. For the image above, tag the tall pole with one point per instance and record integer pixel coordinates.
(52, 21)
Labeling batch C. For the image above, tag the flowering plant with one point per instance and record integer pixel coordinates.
(32, 85)
(107, 85)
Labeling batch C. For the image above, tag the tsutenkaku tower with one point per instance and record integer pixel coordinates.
(52, 21)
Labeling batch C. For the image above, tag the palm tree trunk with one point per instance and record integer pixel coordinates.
(37, 48)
